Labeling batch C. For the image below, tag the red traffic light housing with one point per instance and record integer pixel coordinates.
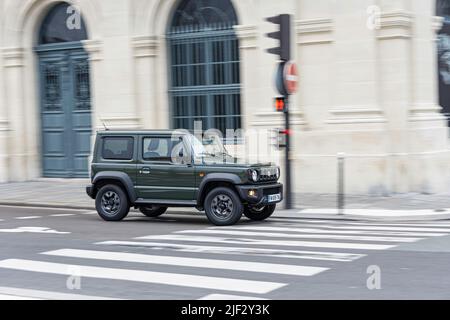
(280, 104)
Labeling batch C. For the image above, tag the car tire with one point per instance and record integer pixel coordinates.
(223, 206)
(152, 211)
(112, 203)
(259, 214)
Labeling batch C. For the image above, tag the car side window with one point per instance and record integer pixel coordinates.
(117, 148)
(156, 149)
(161, 149)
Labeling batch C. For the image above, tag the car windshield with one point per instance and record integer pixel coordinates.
(209, 146)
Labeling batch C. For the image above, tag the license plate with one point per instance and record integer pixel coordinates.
(274, 197)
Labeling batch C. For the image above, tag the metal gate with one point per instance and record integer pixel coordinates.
(65, 109)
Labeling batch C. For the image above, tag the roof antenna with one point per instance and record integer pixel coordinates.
(104, 125)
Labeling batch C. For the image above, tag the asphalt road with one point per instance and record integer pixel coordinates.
(73, 254)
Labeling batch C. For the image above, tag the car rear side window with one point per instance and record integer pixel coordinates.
(117, 148)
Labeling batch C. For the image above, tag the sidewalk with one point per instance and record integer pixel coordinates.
(70, 193)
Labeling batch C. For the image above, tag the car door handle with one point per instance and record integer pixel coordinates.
(145, 170)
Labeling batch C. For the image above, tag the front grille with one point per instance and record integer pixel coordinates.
(274, 190)
(268, 174)
(268, 177)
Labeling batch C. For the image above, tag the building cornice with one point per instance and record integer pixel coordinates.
(94, 48)
(13, 57)
(356, 115)
(247, 35)
(145, 46)
(395, 25)
(314, 31)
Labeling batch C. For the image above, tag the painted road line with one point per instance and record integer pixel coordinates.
(174, 279)
(90, 212)
(248, 241)
(33, 230)
(249, 266)
(367, 223)
(296, 236)
(217, 296)
(28, 217)
(271, 253)
(326, 231)
(373, 213)
(30, 207)
(368, 226)
(408, 229)
(63, 215)
(28, 294)
(4, 297)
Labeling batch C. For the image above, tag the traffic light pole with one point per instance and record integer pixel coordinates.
(287, 187)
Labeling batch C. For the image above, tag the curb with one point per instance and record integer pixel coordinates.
(282, 214)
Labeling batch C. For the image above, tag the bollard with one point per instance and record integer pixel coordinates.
(340, 183)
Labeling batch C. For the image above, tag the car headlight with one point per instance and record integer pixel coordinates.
(253, 175)
(278, 172)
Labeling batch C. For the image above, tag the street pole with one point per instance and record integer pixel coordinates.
(288, 190)
(340, 183)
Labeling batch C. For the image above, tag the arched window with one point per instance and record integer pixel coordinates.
(443, 10)
(62, 24)
(204, 65)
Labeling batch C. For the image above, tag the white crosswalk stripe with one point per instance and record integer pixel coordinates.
(248, 241)
(174, 279)
(270, 253)
(333, 231)
(219, 260)
(247, 266)
(290, 236)
(352, 222)
(8, 293)
(217, 296)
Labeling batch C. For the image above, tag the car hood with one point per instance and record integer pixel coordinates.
(229, 161)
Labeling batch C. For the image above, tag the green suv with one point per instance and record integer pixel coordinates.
(152, 170)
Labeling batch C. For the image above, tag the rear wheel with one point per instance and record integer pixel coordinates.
(223, 206)
(112, 203)
(152, 211)
(259, 213)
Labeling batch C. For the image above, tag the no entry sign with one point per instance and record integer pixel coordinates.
(290, 77)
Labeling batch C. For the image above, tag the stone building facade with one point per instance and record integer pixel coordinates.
(371, 83)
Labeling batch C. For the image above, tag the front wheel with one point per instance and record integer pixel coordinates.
(259, 213)
(112, 203)
(152, 211)
(223, 206)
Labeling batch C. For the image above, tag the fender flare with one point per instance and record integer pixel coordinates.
(216, 177)
(119, 176)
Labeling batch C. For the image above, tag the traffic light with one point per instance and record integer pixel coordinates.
(278, 138)
(283, 35)
(280, 104)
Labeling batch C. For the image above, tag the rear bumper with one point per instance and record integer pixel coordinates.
(90, 191)
(261, 193)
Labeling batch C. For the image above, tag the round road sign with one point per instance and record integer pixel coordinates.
(290, 77)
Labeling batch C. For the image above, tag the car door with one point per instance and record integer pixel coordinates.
(159, 177)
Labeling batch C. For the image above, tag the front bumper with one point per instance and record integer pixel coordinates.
(90, 191)
(261, 193)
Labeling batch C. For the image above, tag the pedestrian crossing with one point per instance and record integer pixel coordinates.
(251, 260)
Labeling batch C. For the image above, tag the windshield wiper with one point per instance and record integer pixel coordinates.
(207, 154)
